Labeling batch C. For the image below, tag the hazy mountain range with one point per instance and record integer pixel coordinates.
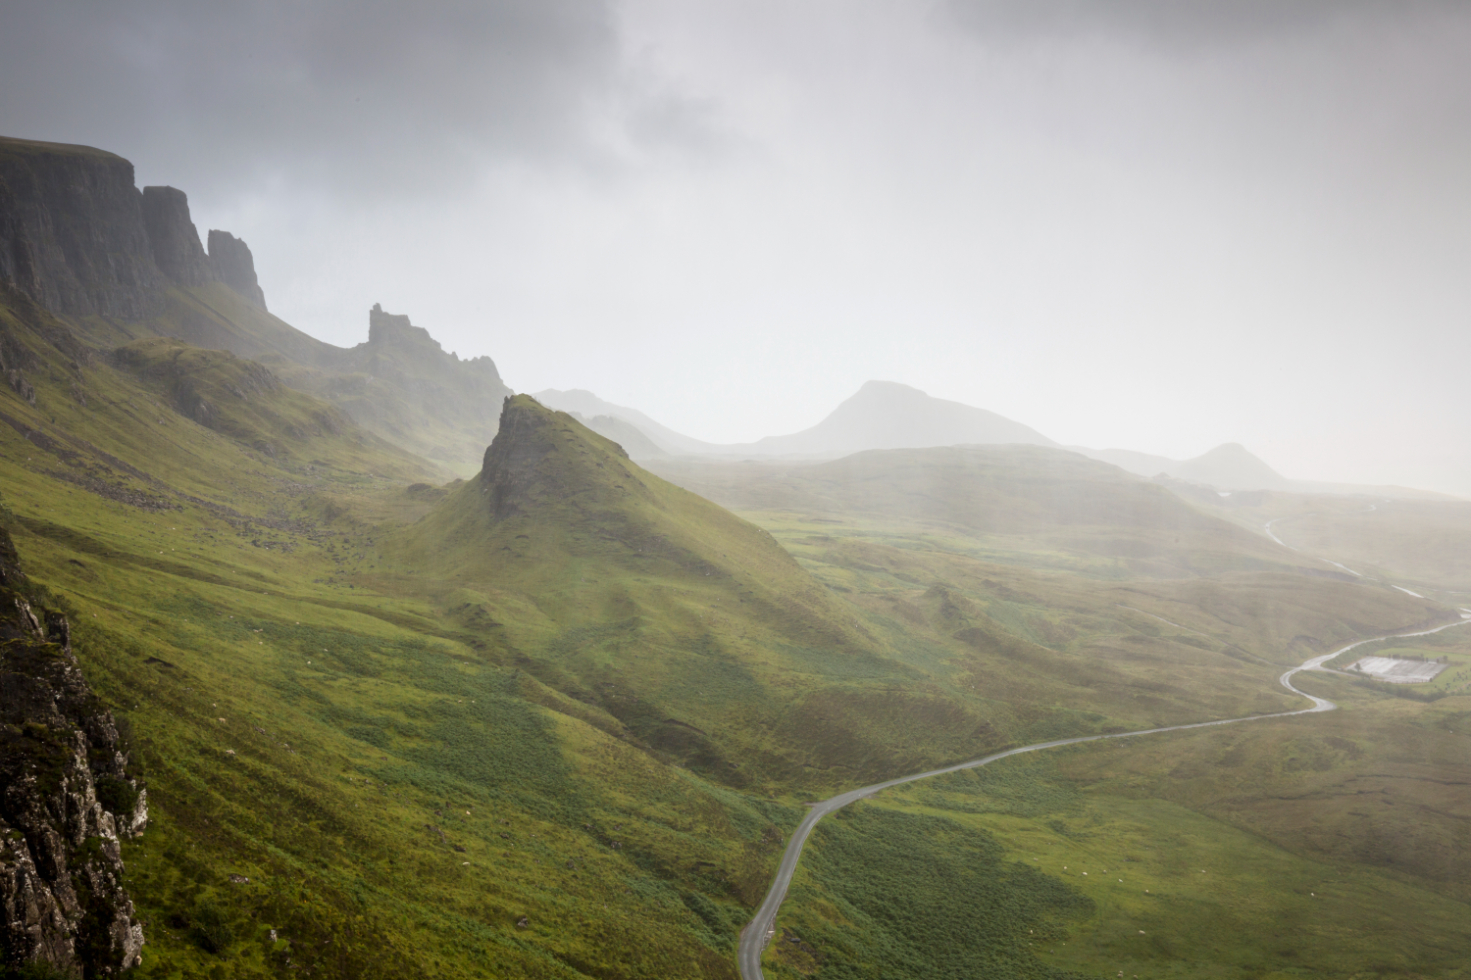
(889, 415)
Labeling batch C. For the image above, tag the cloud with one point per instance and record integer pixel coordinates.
(1186, 23)
(365, 97)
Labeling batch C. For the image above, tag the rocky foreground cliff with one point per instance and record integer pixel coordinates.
(68, 794)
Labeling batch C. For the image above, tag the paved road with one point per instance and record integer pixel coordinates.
(758, 932)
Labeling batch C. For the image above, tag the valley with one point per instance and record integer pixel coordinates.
(424, 677)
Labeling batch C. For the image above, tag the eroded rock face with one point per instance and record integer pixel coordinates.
(71, 230)
(235, 266)
(173, 237)
(68, 794)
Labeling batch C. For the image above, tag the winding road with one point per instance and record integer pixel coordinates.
(758, 933)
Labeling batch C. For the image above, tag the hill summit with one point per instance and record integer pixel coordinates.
(889, 415)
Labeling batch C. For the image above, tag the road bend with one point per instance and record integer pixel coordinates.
(758, 932)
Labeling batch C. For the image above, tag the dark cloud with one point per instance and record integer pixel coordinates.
(363, 95)
(1173, 22)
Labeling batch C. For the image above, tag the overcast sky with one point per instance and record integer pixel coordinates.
(1154, 224)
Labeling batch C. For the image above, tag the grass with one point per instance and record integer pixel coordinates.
(414, 713)
(1175, 873)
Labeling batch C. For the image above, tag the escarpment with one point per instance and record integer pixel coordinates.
(68, 794)
(72, 235)
(173, 237)
(234, 265)
(80, 239)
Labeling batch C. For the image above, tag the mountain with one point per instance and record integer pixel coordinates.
(403, 386)
(1231, 467)
(882, 415)
(625, 433)
(556, 720)
(887, 415)
(122, 264)
(711, 636)
(1227, 467)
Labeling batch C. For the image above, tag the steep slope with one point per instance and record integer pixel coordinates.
(72, 235)
(69, 793)
(402, 385)
(119, 265)
(317, 740)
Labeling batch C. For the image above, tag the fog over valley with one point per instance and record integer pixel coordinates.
(1160, 230)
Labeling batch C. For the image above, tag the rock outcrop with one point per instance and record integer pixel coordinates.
(72, 235)
(173, 237)
(235, 266)
(80, 239)
(68, 794)
(402, 385)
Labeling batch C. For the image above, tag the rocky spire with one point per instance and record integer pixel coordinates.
(235, 266)
(175, 242)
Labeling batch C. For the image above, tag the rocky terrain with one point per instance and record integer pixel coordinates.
(78, 239)
(70, 794)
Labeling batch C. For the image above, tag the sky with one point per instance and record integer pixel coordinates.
(1152, 224)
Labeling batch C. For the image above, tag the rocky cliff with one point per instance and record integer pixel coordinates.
(80, 239)
(116, 263)
(72, 234)
(173, 237)
(405, 387)
(68, 794)
(235, 266)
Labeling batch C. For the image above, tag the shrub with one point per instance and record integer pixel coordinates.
(212, 931)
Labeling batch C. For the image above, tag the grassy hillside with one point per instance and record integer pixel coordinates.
(672, 620)
(1063, 509)
(556, 720)
(400, 386)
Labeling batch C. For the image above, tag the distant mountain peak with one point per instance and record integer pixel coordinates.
(891, 415)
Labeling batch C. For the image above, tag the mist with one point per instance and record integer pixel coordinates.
(1163, 228)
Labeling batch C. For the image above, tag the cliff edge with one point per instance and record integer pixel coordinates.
(68, 794)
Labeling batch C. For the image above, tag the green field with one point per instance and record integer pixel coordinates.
(556, 720)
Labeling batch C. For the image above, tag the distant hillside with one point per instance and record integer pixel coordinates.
(1227, 467)
(887, 415)
(1231, 467)
(402, 385)
(882, 415)
(626, 434)
(589, 405)
(1052, 500)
